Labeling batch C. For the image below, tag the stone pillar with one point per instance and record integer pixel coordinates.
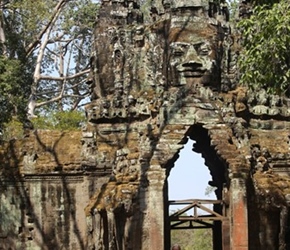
(239, 214)
(155, 208)
(226, 242)
(226, 224)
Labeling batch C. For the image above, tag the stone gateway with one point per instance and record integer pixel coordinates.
(156, 81)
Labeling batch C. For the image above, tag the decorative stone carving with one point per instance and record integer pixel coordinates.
(260, 159)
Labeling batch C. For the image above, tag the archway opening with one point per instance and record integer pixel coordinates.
(188, 180)
(193, 172)
(189, 177)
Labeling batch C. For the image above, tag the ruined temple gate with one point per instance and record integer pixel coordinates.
(158, 78)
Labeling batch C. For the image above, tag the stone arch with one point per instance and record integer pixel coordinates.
(200, 137)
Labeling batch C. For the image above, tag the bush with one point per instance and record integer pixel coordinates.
(12, 130)
(265, 59)
(66, 120)
(193, 239)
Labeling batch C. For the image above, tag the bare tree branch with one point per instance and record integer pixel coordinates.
(58, 8)
(65, 45)
(57, 98)
(45, 33)
(2, 33)
(56, 78)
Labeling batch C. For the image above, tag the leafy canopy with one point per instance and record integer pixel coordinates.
(65, 120)
(13, 85)
(265, 58)
(62, 121)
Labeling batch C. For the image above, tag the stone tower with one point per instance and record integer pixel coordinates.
(154, 85)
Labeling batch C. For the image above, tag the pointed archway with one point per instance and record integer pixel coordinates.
(203, 169)
(190, 176)
(189, 179)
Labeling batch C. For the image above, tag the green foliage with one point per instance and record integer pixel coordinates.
(13, 86)
(70, 36)
(209, 190)
(192, 239)
(234, 9)
(66, 120)
(268, 2)
(79, 16)
(12, 130)
(265, 59)
(31, 16)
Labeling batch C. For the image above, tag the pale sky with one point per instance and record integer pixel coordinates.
(189, 177)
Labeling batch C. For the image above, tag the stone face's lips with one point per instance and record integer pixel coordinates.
(191, 70)
(189, 73)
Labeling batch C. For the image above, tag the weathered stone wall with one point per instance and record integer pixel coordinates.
(43, 212)
(44, 190)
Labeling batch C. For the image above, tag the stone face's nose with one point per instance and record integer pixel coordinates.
(191, 58)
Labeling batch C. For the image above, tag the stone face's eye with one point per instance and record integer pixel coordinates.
(179, 49)
(204, 50)
(178, 53)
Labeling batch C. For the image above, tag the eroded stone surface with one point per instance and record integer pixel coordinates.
(43, 191)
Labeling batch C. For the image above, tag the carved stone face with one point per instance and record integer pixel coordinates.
(193, 51)
(191, 59)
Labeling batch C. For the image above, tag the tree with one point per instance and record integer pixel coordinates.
(48, 42)
(15, 71)
(63, 56)
(265, 58)
(13, 77)
(65, 51)
(268, 2)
